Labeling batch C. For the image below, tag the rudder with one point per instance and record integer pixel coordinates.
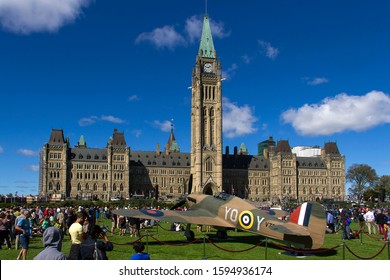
(311, 215)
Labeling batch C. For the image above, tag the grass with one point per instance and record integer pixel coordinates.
(163, 244)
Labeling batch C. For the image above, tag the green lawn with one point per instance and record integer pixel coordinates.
(163, 244)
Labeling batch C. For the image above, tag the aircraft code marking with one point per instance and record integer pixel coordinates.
(233, 214)
(245, 218)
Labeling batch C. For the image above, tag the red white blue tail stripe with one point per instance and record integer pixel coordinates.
(301, 215)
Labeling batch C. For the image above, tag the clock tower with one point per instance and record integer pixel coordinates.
(206, 117)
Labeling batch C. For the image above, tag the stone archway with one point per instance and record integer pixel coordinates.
(209, 189)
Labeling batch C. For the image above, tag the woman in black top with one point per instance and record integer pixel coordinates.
(94, 249)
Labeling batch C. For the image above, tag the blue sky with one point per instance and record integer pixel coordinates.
(304, 71)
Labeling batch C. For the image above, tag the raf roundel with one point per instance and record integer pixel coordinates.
(152, 213)
(246, 219)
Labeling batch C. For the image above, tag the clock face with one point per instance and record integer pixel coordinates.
(208, 67)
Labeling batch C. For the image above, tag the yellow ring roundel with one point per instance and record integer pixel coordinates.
(246, 219)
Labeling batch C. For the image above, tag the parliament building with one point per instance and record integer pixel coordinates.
(276, 173)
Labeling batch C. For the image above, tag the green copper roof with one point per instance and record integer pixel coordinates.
(174, 147)
(82, 142)
(206, 48)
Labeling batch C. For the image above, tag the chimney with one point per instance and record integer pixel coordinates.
(227, 150)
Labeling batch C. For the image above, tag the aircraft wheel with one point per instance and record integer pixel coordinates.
(221, 234)
(190, 236)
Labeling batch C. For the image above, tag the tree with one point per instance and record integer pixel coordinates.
(383, 187)
(362, 177)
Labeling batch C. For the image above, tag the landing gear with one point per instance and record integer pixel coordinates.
(189, 234)
(221, 234)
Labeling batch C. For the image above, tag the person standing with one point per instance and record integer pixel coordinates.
(76, 236)
(61, 221)
(381, 220)
(52, 241)
(23, 226)
(113, 222)
(94, 249)
(17, 216)
(4, 230)
(346, 220)
(369, 217)
(361, 221)
(330, 221)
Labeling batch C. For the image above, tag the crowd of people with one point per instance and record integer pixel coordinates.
(370, 221)
(89, 241)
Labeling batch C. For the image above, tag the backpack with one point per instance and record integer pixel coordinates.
(97, 254)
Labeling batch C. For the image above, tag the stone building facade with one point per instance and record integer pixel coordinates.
(275, 174)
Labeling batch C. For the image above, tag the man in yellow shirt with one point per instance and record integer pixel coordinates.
(77, 236)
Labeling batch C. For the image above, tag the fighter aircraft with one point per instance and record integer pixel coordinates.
(304, 230)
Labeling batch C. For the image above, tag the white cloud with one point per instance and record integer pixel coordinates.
(237, 121)
(93, 119)
(133, 98)
(167, 36)
(228, 73)
(218, 29)
(26, 152)
(88, 121)
(32, 167)
(193, 28)
(341, 113)
(161, 38)
(28, 16)
(137, 133)
(246, 58)
(270, 51)
(1, 149)
(112, 119)
(316, 81)
(164, 126)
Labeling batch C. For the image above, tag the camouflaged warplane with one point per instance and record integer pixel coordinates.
(305, 229)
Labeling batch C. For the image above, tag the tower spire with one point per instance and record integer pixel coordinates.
(172, 145)
(206, 47)
(171, 124)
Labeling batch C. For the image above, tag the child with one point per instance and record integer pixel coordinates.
(139, 247)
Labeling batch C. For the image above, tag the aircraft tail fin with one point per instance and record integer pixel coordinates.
(312, 216)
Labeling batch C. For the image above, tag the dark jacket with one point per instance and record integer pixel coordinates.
(381, 219)
(87, 249)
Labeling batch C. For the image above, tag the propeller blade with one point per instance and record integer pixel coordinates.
(184, 200)
(180, 203)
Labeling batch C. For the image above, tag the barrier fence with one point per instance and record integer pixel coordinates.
(266, 242)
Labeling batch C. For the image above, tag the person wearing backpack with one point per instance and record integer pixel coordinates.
(93, 248)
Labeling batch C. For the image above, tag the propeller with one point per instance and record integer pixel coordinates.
(184, 200)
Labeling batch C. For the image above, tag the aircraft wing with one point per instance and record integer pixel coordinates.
(280, 214)
(197, 217)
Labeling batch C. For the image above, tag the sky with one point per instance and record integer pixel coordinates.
(305, 71)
